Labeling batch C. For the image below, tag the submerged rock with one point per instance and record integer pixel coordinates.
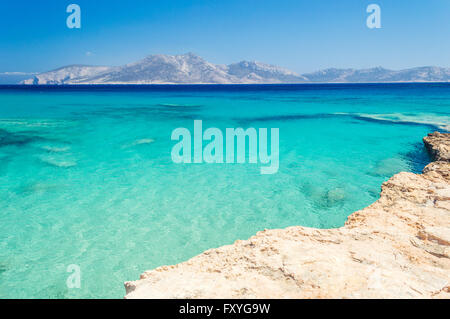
(57, 161)
(335, 196)
(3, 267)
(14, 139)
(398, 247)
(141, 141)
(321, 197)
(388, 167)
(55, 149)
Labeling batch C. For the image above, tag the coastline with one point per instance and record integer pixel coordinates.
(219, 84)
(398, 247)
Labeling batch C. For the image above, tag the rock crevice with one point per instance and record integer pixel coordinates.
(398, 247)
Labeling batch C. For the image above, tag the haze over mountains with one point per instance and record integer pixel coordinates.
(192, 69)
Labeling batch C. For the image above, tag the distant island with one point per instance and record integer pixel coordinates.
(193, 69)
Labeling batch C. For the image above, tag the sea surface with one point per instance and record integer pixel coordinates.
(87, 179)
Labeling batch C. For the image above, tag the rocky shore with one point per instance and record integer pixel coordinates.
(398, 247)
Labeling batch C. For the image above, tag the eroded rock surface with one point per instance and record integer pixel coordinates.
(398, 247)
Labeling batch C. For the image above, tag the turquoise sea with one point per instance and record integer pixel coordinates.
(86, 175)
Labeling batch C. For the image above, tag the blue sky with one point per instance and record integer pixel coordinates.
(300, 35)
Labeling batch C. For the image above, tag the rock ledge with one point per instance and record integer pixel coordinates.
(398, 247)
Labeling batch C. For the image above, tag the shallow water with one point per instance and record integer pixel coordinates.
(86, 176)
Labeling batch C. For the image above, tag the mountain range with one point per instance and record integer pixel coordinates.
(192, 69)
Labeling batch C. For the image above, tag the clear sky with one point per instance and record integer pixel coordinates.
(300, 35)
